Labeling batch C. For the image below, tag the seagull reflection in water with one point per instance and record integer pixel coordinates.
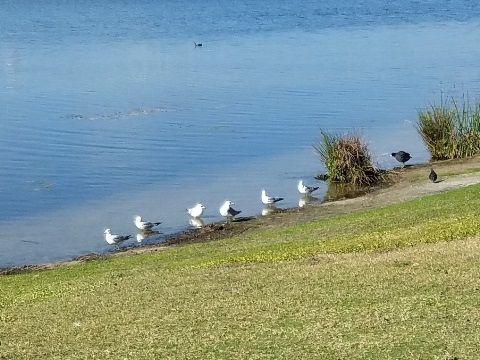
(269, 210)
(305, 200)
(144, 235)
(196, 222)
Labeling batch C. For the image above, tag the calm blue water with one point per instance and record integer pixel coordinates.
(109, 110)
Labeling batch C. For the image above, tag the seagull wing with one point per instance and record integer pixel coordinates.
(232, 212)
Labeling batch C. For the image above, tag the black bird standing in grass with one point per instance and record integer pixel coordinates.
(402, 157)
(433, 175)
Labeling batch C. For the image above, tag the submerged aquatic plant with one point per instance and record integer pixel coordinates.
(347, 159)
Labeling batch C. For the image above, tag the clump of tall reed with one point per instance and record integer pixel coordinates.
(347, 159)
(452, 129)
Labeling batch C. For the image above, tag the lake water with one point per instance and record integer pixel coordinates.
(108, 110)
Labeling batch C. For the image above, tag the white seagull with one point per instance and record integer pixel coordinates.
(227, 211)
(269, 200)
(306, 190)
(196, 211)
(115, 239)
(144, 225)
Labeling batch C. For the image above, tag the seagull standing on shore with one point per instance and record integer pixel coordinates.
(115, 239)
(269, 200)
(227, 211)
(306, 190)
(402, 157)
(144, 225)
(196, 211)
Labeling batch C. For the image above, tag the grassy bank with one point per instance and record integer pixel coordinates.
(327, 289)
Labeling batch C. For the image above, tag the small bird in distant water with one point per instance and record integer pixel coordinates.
(197, 44)
(227, 211)
(402, 157)
(433, 175)
(115, 239)
(306, 190)
(144, 225)
(268, 200)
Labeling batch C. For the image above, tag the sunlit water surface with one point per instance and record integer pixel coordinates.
(109, 110)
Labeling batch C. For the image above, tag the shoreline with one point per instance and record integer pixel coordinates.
(406, 184)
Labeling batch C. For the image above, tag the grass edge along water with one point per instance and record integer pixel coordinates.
(446, 216)
(183, 303)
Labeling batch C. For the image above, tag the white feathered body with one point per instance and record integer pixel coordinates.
(196, 211)
(144, 225)
(268, 200)
(306, 190)
(115, 239)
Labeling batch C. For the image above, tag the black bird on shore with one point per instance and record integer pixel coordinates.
(402, 157)
(433, 175)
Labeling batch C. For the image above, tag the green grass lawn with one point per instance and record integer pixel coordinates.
(399, 282)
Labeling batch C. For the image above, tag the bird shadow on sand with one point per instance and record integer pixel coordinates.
(438, 181)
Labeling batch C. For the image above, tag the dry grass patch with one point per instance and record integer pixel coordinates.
(347, 159)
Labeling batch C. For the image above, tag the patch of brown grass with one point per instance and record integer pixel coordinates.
(347, 159)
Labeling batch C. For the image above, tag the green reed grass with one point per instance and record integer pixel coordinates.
(347, 159)
(452, 129)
